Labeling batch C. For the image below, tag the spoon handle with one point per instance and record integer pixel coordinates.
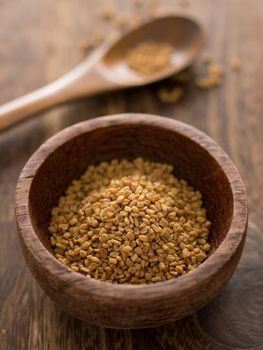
(84, 80)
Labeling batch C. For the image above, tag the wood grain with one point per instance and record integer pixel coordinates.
(225, 318)
(31, 56)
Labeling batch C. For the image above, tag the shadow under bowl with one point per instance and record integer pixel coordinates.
(195, 157)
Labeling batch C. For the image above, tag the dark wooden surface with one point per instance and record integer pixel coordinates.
(38, 42)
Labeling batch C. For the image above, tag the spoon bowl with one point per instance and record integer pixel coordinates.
(106, 68)
(183, 34)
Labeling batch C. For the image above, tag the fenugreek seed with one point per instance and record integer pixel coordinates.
(96, 274)
(145, 229)
(127, 249)
(200, 257)
(135, 209)
(113, 261)
(161, 266)
(114, 254)
(127, 222)
(193, 258)
(182, 245)
(93, 266)
(52, 229)
(185, 253)
(71, 253)
(138, 250)
(160, 251)
(83, 239)
(132, 270)
(74, 268)
(136, 222)
(83, 253)
(134, 257)
(85, 245)
(143, 238)
(85, 270)
(64, 261)
(64, 242)
(120, 199)
(171, 245)
(165, 247)
(93, 259)
(148, 276)
(174, 273)
(114, 241)
(206, 247)
(154, 259)
(164, 222)
(179, 269)
(156, 228)
(104, 237)
(156, 279)
(130, 236)
(66, 235)
(170, 258)
(137, 266)
(83, 227)
(193, 233)
(63, 227)
(204, 235)
(171, 95)
(61, 246)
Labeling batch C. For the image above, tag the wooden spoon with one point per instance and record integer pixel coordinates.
(106, 69)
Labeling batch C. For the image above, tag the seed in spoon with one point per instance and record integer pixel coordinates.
(149, 57)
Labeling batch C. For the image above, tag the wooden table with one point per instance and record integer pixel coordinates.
(39, 42)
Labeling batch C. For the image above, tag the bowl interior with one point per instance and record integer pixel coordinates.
(191, 162)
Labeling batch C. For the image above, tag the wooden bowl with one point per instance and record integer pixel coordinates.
(196, 158)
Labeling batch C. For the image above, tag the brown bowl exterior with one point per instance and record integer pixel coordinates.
(196, 158)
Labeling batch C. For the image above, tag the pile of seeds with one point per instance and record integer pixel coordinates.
(130, 222)
(150, 57)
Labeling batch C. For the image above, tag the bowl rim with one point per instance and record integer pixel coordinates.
(225, 251)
